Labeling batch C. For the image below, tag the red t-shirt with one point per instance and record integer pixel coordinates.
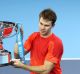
(41, 49)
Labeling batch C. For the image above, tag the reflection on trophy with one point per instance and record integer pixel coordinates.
(6, 29)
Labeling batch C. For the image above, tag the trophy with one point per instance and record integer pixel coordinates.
(6, 30)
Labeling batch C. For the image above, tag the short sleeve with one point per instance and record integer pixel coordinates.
(28, 42)
(55, 51)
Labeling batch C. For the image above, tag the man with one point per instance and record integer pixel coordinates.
(45, 47)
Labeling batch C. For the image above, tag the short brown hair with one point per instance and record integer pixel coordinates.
(49, 15)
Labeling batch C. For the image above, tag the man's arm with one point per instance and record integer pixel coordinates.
(42, 69)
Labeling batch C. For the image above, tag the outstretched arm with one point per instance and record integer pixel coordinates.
(42, 69)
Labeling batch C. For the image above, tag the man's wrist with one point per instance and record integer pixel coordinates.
(23, 66)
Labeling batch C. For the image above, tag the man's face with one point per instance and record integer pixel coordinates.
(45, 26)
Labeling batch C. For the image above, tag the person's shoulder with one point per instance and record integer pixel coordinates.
(56, 38)
(33, 35)
(57, 41)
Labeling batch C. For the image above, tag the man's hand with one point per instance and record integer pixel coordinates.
(17, 63)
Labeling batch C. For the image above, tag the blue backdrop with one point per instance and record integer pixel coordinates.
(27, 11)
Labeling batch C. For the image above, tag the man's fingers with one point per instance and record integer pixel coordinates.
(15, 60)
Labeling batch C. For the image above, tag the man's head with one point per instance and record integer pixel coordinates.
(47, 19)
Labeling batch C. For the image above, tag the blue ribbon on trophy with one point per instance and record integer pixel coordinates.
(19, 40)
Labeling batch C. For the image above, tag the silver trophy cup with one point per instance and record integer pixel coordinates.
(6, 29)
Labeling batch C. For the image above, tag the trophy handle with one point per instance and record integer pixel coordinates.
(19, 40)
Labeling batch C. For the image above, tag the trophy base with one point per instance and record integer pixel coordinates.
(6, 64)
(5, 58)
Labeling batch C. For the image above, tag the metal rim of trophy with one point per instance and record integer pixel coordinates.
(7, 24)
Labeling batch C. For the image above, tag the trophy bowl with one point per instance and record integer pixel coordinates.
(6, 28)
